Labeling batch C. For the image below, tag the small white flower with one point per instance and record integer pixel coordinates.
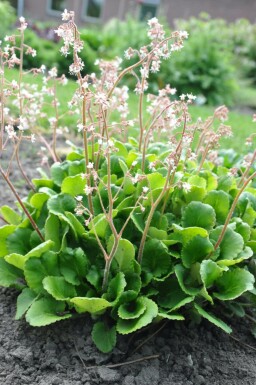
(145, 189)
(90, 165)
(186, 186)
(88, 190)
(183, 34)
(80, 127)
(79, 198)
(53, 72)
(134, 163)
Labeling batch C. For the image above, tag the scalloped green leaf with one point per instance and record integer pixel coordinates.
(214, 320)
(153, 232)
(122, 150)
(10, 276)
(243, 229)
(132, 310)
(5, 231)
(233, 283)
(16, 260)
(197, 181)
(181, 274)
(104, 337)
(40, 249)
(171, 296)
(59, 288)
(10, 215)
(91, 305)
(124, 255)
(209, 272)
(123, 166)
(246, 253)
(195, 194)
(35, 272)
(60, 203)
(115, 288)
(43, 183)
(211, 180)
(186, 235)
(73, 265)
(133, 287)
(77, 226)
(59, 171)
(73, 185)
(24, 301)
(38, 200)
(138, 221)
(171, 317)
(131, 325)
(99, 225)
(46, 311)
(231, 245)
(219, 200)
(156, 259)
(196, 250)
(76, 167)
(19, 241)
(53, 231)
(156, 180)
(198, 214)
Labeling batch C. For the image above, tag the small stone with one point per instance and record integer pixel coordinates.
(56, 381)
(129, 380)
(199, 380)
(189, 361)
(149, 375)
(23, 354)
(108, 375)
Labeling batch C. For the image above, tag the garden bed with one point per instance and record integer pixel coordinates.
(64, 354)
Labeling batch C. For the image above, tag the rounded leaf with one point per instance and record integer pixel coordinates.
(132, 310)
(91, 305)
(198, 214)
(233, 283)
(231, 245)
(45, 311)
(156, 259)
(60, 203)
(131, 325)
(196, 250)
(59, 288)
(104, 337)
(73, 185)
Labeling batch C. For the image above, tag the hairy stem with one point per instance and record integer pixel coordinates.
(2, 104)
(22, 170)
(247, 169)
(34, 225)
(232, 208)
(150, 216)
(54, 135)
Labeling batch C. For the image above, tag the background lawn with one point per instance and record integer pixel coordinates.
(240, 117)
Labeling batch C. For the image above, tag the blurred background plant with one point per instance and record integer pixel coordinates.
(217, 64)
(7, 17)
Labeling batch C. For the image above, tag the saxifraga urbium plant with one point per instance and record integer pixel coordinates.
(131, 229)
